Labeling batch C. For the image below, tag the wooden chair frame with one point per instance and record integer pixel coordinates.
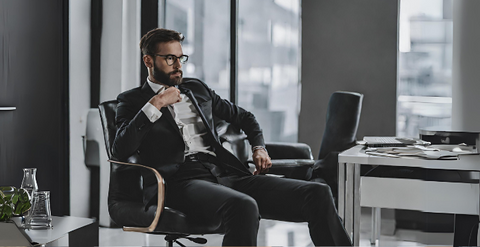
(160, 199)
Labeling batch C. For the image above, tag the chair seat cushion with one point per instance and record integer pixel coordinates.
(133, 214)
(174, 221)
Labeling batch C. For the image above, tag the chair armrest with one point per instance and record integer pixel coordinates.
(160, 199)
(291, 160)
(291, 168)
(292, 163)
(284, 150)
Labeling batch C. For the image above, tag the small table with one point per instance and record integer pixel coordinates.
(80, 231)
(401, 193)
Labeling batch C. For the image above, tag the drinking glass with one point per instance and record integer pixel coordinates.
(40, 215)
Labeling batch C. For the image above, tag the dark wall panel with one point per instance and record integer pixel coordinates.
(149, 21)
(349, 46)
(34, 79)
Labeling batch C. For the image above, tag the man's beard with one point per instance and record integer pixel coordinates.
(165, 78)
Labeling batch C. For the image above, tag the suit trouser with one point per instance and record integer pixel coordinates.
(239, 201)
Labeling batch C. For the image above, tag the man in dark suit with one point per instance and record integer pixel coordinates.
(169, 123)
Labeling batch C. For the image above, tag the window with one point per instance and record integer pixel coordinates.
(206, 26)
(268, 65)
(425, 66)
(268, 55)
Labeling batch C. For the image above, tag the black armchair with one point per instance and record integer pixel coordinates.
(343, 116)
(125, 202)
(290, 160)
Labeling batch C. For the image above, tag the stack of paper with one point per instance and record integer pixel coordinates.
(429, 152)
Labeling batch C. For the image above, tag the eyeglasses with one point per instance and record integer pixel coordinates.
(171, 59)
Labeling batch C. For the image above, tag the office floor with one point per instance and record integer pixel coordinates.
(276, 233)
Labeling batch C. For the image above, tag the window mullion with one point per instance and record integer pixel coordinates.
(234, 51)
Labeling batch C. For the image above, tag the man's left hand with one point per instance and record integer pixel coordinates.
(261, 160)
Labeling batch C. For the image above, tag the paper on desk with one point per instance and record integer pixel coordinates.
(394, 152)
(458, 149)
(426, 152)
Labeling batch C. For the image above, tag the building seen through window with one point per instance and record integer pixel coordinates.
(268, 55)
(424, 86)
(268, 73)
(206, 27)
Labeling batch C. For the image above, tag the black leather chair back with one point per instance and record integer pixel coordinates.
(125, 196)
(108, 110)
(343, 116)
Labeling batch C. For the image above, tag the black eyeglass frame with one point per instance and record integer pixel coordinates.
(182, 57)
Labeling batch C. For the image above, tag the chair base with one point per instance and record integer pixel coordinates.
(173, 238)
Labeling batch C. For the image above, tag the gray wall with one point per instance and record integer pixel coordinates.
(465, 72)
(348, 46)
(79, 68)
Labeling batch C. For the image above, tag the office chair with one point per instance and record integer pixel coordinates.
(343, 115)
(125, 197)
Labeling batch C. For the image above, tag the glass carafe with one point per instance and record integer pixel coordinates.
(29, 182)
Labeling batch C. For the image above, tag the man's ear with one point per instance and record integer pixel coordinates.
(148, 61)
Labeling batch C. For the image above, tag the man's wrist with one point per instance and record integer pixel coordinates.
(255, 148)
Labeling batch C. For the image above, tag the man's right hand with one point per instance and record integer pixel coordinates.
(169, 96)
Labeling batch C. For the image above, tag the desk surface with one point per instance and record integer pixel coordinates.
(61, 227)
(357, 155)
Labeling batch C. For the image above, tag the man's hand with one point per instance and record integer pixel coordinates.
(169, 96)
(261, 160)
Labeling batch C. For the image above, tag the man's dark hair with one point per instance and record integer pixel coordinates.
(149, 41)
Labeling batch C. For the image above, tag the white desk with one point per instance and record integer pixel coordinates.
(80, 231)
(409, 194)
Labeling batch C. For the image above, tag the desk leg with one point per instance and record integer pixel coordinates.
(341, 191)
(349, 199)
(356, 205)
(352, 202)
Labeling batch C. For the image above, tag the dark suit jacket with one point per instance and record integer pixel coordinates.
(160, 144)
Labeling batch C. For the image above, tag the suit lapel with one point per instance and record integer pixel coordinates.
(190, 95)
(147, 92)
(168, 116)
